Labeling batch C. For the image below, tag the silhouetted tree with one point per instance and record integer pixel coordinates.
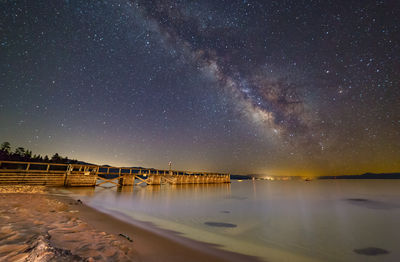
(56, 158)
(28, 154)
(6, 147)
(20, 154)
(37, 158)
(20, 151)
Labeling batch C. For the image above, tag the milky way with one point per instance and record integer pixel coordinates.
(266, 87)
(271, 102)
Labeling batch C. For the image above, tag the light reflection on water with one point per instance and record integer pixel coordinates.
(276, 220)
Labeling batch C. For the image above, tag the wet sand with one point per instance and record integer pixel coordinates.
(38, 226)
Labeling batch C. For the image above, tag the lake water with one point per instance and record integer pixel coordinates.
(324, 220)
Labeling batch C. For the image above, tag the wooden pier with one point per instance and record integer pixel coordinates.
(71, 175)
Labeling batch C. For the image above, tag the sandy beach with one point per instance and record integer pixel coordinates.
(36, 225)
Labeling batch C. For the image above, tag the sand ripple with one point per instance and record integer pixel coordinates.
(36, 227)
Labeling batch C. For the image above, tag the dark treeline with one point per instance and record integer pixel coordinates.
(22, 154)
(365, 176)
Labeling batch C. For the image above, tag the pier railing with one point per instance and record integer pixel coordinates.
(53, 174)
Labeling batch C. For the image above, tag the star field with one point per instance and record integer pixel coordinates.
(266, 87)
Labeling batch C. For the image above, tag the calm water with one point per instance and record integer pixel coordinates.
(331, 220)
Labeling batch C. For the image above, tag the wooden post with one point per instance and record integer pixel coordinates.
(127, 180)
(66, 175)
(154, 179)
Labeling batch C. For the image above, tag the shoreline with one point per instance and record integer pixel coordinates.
(151, 241)
(68, 229)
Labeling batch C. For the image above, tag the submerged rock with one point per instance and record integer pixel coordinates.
(371, 251)
(372, 204)
(357, 200)
(238, 197)
(219, 224)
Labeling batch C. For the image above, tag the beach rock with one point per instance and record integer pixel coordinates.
(42, 251)
(127, 237)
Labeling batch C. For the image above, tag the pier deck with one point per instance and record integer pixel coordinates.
(51, 174)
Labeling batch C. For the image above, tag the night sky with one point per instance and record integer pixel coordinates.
(266, 87)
